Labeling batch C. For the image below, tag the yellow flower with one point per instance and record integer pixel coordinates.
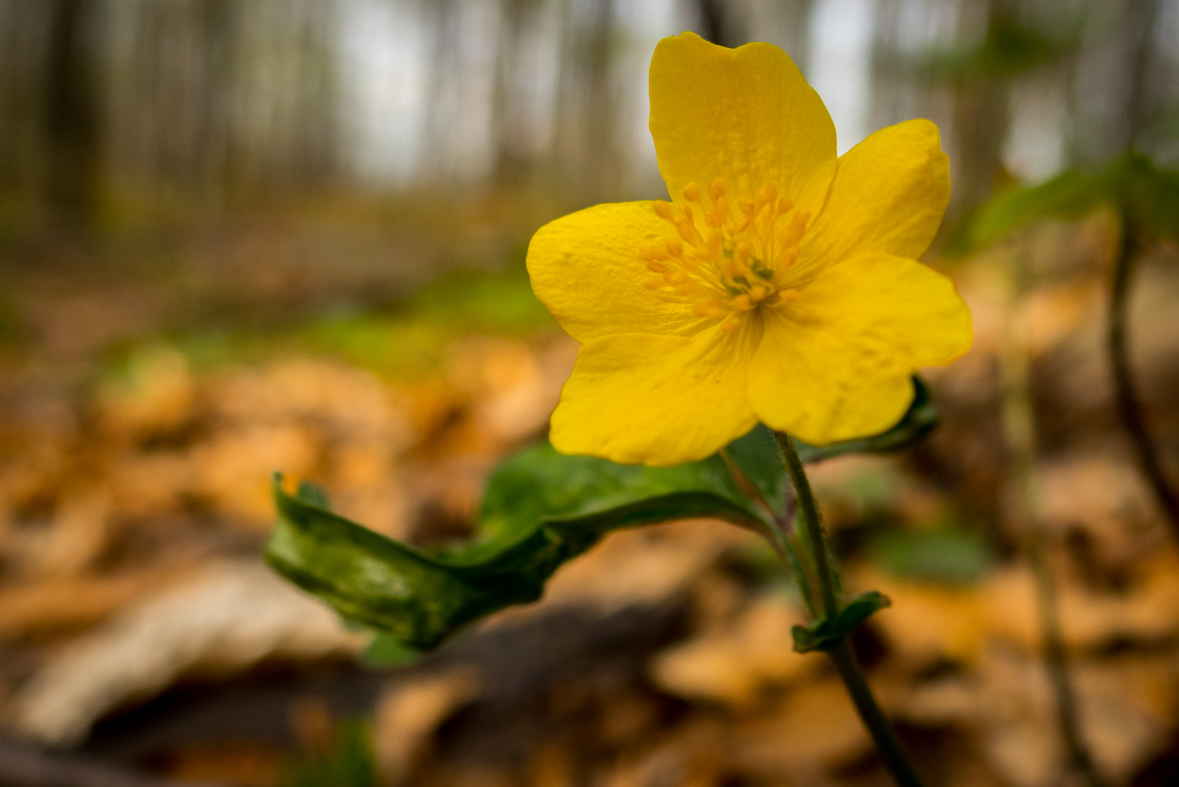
(779, 284)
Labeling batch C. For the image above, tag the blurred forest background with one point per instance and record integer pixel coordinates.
(240, 237)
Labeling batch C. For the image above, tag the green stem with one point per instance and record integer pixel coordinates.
(896, 759)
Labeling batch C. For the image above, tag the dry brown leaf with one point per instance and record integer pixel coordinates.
(234, 467)
(643, 567)
(351, 403)
(57, 604)
(927, 623)
(223, 619)
(157, 393)
(734, 666)
(814, 730)
(410, 710)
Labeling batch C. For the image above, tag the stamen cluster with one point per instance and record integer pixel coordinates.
(736, 262)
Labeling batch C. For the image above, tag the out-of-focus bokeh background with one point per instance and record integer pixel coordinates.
(239, 237)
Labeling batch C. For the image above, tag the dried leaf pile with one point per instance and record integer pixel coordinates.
(134, 503)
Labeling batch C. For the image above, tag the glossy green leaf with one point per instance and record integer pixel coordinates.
(541, 509)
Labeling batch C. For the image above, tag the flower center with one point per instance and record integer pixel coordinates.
(736, 262)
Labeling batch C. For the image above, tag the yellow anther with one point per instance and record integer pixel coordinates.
(765, 195)
(793, 232)
(714, 241)
(786, 258)
(720, 210)
(736, 261)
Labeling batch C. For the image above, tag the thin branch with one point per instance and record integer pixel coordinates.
(1128, 400)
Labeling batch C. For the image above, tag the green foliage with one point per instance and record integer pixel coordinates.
(384, 651)
(541, 509)
(1069, 195)
(823, 633)
(1008, 49)
(945, 555)
(348, 763)
(1145, 196)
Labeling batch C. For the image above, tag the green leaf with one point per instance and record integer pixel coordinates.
(757, 458)
(942, 555)
(1008, 49)
(824, 633)
(541, 509)
(917, 421)
(1069, 195)
(385, 651)
(1147, 196)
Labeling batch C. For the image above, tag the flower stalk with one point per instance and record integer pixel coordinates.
(896, 759)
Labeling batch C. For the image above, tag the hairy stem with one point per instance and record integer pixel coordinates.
(1019, 435)
(1128, 401)
(896, 759)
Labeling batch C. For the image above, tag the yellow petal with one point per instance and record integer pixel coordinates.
(745, 115)
(835, 364)
(657, 400)
(586, 269)
(888, 195)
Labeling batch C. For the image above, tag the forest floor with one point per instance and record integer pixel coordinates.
(148, 391)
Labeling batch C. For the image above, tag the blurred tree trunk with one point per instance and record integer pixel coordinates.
(715, 23)
(1141, 16)
(71, 112)
(981, 118)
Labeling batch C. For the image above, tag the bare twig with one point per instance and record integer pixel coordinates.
(1128, 401)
